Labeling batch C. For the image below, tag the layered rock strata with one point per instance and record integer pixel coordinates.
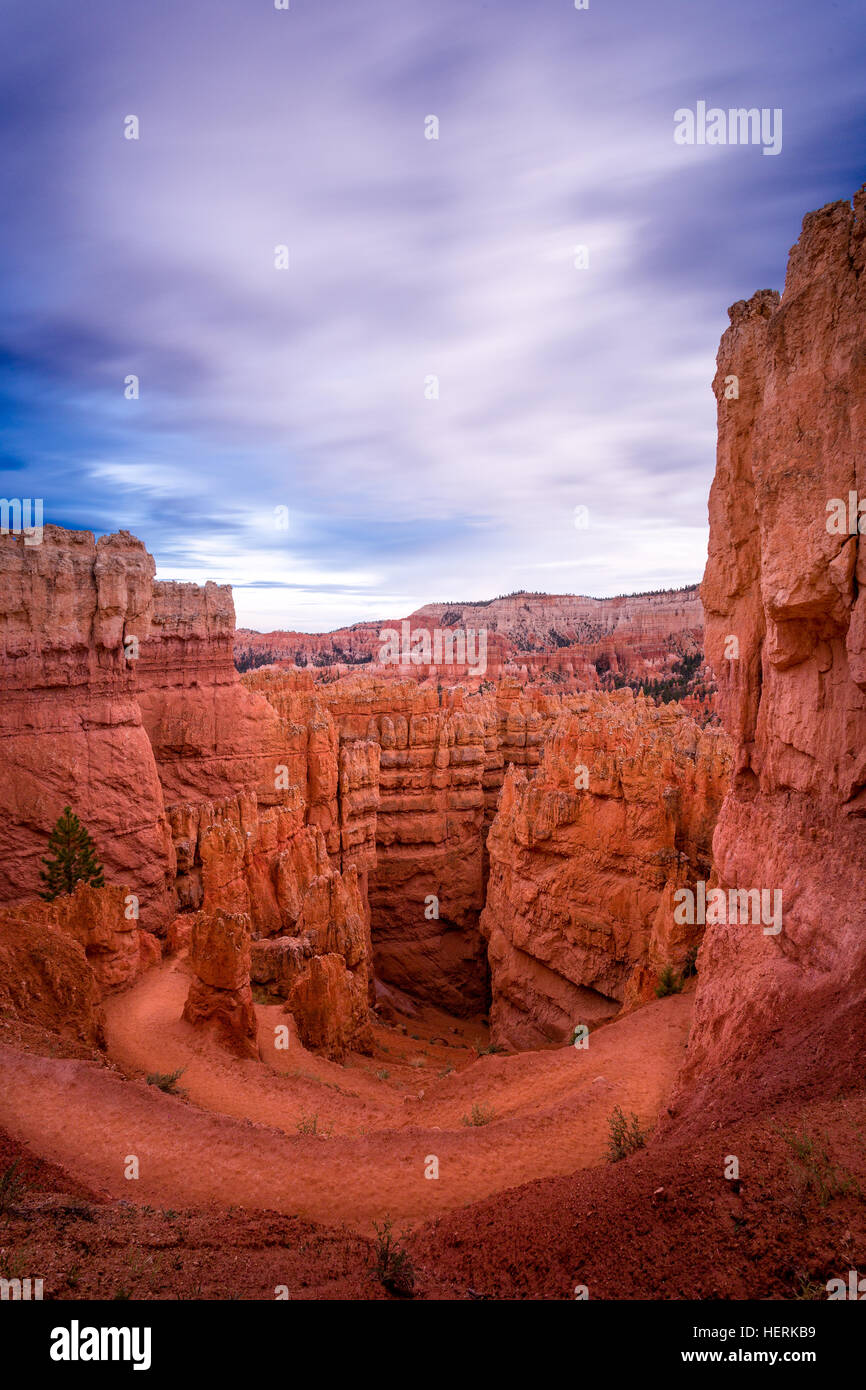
(568, 635)
(121, 698)
(785, 595)
(73, 612)
(586, 858)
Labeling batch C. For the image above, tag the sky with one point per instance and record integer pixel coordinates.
(288, 436)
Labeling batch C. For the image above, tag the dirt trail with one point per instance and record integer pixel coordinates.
(234, 1140)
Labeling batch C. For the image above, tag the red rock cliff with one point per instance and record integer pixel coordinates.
(785, 599)
(71, 610)
(586, 857)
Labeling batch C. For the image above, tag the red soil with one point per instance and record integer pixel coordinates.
(235, 1137)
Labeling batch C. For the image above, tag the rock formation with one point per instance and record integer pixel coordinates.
(421, 769)
(59, 959)
(220, 996)
(71, 613)
(785, 600)
(585, 859)
(103, 921)
(120, 695)
(45, 979)
(211, 738)
(427, 890)
(565, 637)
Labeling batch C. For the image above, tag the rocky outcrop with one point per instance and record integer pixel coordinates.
(527, 620)
(73, 612)
(104, 922)
(45, 978)
(585, 859)
(321, 968)
(59, 959)
(220, 997)
(211, 737)
(421, 769)
(426, 890)
(785, 595)
(319, 965)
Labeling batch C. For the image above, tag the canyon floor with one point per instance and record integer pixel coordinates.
(345, 1144)
(233, 1202)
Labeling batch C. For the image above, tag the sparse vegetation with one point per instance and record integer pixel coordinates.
(479, 1115)
(814, 1170)
(690, 964)
(809, 1289)
(669, 982)
(394, 1269)
(12, 1185)
(167, 1081)
(626, 1135)
(309, 1124)
(383, 1074)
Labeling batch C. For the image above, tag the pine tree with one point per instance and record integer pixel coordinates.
(74, 858)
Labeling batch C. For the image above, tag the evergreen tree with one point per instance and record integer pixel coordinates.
(74, 858)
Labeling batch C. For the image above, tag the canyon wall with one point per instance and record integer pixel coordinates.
(120, 698)
(566, 638)
(785, 598)
(71, 731)
(586, 858)
(530, 622)
(282, 831)
(211, 738)
(421, 769)
(429, 821)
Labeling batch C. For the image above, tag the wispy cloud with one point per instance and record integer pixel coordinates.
(408, 258)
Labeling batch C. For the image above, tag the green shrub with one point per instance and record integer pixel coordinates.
(394, 1268)
(626, 1135)
(309, 1124)
(166, 1081)
(669, 983)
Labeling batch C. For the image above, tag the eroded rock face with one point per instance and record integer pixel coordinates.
(421, 769)
(71, 611)
(59, 959)
(252, 790)
(321, 968)
(103, 921)
(429, 823)
(585, 859)
(121, 697)
(569, 635)
(775, 1012)
(329, 1006)
(45, 977)
(220, 996)
(211, 737)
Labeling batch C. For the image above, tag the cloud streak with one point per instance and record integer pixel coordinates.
(408, 258)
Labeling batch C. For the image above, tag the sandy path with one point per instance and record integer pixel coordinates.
(235, 1142)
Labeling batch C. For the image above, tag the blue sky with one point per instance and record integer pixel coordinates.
(304, 388)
